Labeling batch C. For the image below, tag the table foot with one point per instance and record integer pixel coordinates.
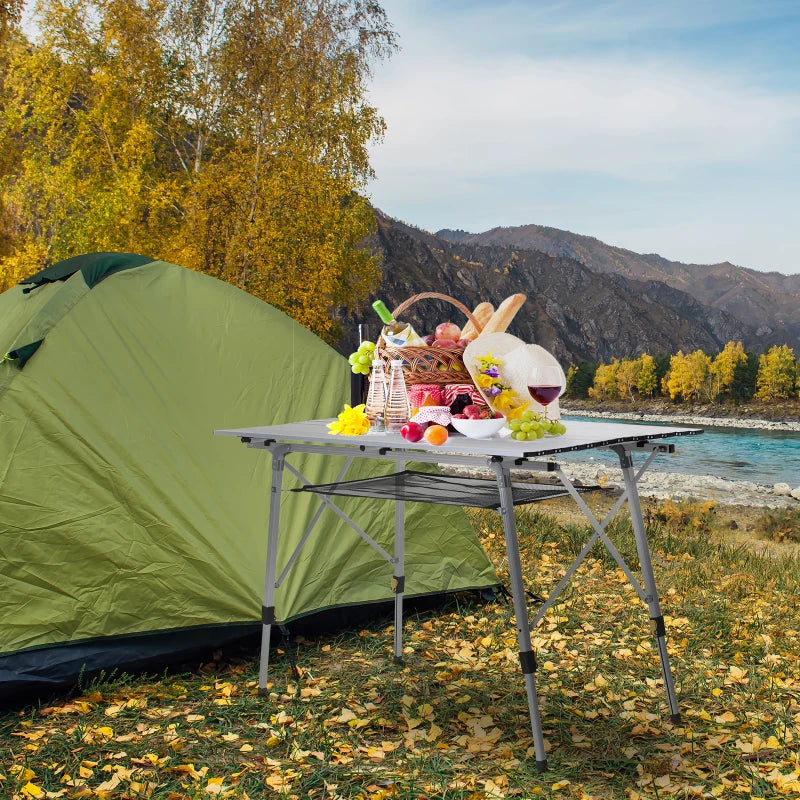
(399, 661)
(541, 766)
(676, 718)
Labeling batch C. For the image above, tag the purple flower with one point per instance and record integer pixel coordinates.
(494, 391)
(492, 372)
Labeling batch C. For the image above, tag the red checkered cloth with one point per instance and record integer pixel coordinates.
(418, 393)
(453, 390)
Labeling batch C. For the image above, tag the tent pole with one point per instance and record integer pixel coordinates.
(399, 579)
(526, 655)
(268, 607)
(646, 564)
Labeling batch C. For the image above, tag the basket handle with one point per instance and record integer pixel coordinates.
(427, 295)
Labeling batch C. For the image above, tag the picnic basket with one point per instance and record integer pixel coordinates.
(437, 365)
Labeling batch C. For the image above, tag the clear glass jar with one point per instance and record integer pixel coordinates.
(398, 409)
(375, 407)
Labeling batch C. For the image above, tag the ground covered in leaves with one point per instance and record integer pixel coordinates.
(452, 722)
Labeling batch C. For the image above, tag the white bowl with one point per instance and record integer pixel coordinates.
(478, 428)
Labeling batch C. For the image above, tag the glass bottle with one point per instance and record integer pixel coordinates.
(398, 409)
(376, 398)
(396, 334)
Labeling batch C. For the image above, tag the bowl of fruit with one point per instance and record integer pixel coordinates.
(531, 426)
(478, 422)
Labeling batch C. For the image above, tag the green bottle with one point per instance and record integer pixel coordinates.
(396, 334)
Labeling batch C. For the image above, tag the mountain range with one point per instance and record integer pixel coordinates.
(586, 300)
(769, 302)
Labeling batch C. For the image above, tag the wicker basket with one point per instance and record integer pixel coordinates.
(439, 365)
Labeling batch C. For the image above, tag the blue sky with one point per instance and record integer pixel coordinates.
(669, 127)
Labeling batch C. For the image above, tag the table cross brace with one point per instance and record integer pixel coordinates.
(338, 511)
(312, 524)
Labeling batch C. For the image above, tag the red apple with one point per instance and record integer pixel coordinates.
(412, 431)
(429, 340)
(462, 343)
(451, 343)
(448, 330)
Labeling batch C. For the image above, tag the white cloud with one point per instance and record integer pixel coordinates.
(456, 115)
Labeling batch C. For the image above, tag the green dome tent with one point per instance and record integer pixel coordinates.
(129, 533)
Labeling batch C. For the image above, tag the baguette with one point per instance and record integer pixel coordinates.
(506, 311)
(483, 313)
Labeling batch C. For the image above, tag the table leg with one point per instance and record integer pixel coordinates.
(646, 564)
(526, 655)
(268, 607)
(399, 579)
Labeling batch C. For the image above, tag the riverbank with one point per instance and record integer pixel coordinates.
(658, 485)
(717, 416)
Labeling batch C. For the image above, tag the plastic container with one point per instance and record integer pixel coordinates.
(398, 409)
(375, 408)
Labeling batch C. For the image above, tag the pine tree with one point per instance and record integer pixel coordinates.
(579, 379)
(743, 386)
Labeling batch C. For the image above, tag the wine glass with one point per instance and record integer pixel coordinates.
(545, 384)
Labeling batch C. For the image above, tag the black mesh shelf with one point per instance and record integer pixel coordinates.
(422, 487)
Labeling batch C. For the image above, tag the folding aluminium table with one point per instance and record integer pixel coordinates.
(500, 455)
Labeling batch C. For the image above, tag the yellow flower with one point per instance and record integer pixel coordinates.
(515, 413)
(485, 381)
(488, 361)
(507, 399)
(351, 422)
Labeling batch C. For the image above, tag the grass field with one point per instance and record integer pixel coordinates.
(452, 722)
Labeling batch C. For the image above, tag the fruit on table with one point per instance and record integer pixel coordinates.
(361, 360)
(448, 330)
(532, 426)
(435, 434)
(429, 340)
(412, 431)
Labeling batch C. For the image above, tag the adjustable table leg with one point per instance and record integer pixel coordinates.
(526, 656)
(653, 604)
(268, 608)
(398, 579)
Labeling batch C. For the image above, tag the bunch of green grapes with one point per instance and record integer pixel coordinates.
(534, 426)
(361, 360)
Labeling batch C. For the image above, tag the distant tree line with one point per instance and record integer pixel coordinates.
(730, 375)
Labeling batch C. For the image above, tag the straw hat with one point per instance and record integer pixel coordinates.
(517, 359)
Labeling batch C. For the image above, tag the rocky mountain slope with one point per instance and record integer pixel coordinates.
(573, 311)
(767, 301)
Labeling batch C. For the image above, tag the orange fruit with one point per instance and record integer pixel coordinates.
(435, 434)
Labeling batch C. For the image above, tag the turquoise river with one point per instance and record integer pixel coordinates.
(738, 454)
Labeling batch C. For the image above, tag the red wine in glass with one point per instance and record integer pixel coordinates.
(545, 384)
(544, 395)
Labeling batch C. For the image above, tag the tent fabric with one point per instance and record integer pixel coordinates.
(122, 515)
(93, 266)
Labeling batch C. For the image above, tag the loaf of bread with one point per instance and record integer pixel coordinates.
(506, 311)
(483, 313)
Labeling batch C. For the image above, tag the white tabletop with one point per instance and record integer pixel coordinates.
(579, 436)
